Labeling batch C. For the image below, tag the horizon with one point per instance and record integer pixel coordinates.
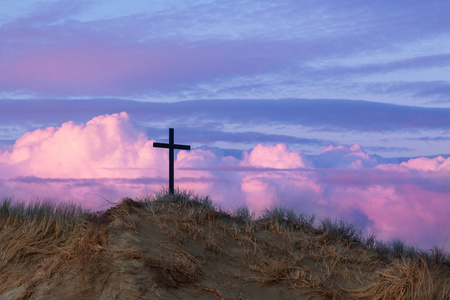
(338, 110)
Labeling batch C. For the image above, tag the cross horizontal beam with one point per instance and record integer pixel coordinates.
(175, 146)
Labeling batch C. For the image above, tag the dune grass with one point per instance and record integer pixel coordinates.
(330, 259)
(338, 249)
(38, 239)
(30, 233)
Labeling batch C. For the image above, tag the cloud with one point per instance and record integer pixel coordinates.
(430, 61)
(279, 157)
(60, 49)
(345, 157)
(277, 186)
(427, 164)
(208, 136)
(80, 59)
(320, 114)
(110, 157)
(307, 125)
(106, 146)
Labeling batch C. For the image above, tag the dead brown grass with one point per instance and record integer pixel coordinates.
(180, 247)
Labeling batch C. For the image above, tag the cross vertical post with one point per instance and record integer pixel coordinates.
(171, 161)
(171, 146)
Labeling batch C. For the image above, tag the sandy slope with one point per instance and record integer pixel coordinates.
(174, 250)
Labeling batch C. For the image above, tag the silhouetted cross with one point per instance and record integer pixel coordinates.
(171, 147)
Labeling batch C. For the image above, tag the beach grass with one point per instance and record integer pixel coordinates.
(184, 246)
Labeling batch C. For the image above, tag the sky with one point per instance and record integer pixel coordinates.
(335, 108)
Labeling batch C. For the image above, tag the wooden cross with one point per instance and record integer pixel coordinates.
(171, 147)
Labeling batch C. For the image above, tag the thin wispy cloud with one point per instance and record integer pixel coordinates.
(202, 48)
(336, 114)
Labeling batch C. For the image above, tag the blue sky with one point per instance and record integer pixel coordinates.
(384, 51)
(169, 51)
(346, 99)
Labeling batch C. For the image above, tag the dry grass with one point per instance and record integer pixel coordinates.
(30, 234)
(182, 246)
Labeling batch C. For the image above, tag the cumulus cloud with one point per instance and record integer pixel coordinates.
(105, 149)
(203, 171)
(107, 146)
(344, 157)
(109, 157)
(438, 165)
(279, 157)
(268, 188)
(428, 164)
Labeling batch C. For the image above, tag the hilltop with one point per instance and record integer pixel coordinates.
(182, 247)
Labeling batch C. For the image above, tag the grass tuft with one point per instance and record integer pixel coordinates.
(244, 213)
(283, 216)
(341, 230)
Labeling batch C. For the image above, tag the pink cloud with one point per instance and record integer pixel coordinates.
(199, 170)
(344, 157)
(407, 211)
(438, 164)
(106, 147)
(265, 189)
(109, 157)
(428, 164)
(279, 157)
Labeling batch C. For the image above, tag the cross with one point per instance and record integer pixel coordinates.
(171, 147)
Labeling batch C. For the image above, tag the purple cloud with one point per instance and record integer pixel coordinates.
(109, 157)
(54, 50)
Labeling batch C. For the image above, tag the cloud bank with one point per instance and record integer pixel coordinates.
(307, 125)
(110, 157)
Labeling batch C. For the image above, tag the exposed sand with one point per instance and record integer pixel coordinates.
(170, 250)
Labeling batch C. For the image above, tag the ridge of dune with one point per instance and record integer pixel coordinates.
(178, 248)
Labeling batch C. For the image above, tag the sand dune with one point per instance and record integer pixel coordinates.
(180, 247)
